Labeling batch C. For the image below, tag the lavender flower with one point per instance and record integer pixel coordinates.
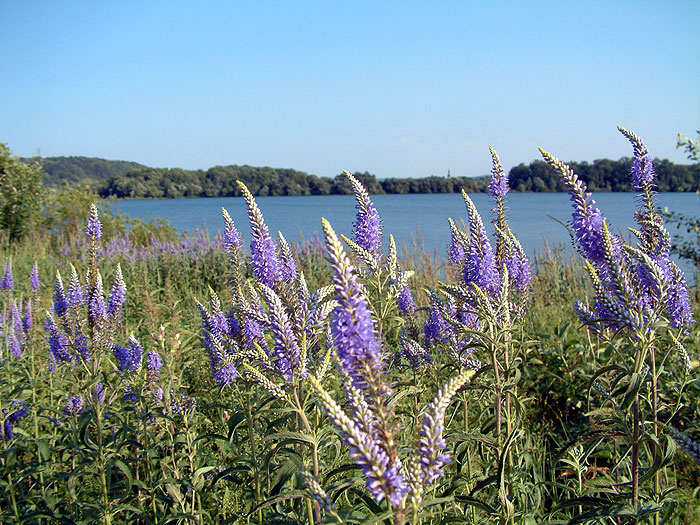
(456, 252)
(351, 323)
(19, 410)
(60, 304)
(498, 183)
(153, 364)
(27, 318)
(587, 220)
(643, 175)
(74, 406)
(34, 278)
(385, 479)
(368, 225)
(14, 342)
(117, 294)
(232, 238)
(76, 296)
(287, 352)
(405, 301)
(288, 267)
(128, 357)
(96, 303)
(94, 227)
(480, 269)
(58, 342)
(213, 329)
(7, 282)
(263, 252)
(98, 393)
(432, 441)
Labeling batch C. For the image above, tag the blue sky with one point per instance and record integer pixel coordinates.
(394, 88)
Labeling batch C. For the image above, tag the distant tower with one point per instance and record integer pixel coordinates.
(448, 173)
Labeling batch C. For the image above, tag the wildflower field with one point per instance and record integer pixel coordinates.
(165, 379)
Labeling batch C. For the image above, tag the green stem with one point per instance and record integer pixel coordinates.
(253, 450)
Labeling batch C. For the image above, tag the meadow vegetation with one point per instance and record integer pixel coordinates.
(148, 376)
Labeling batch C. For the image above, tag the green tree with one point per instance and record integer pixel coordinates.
(21, 193)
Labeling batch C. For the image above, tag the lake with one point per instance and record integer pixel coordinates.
(407, 217)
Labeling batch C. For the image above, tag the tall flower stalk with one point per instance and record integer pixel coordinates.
(640, 297)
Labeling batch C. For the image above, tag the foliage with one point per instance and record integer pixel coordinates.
(73, 170)
(20, 195)
(306, 388)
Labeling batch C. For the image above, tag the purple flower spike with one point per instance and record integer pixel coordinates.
(74, 406)
(288, 267)
(19, 411)
(287, 353)
(153, 363)
(643, 175)
(60, 304)
(128, 357)
(587, 221)
(7, 282)
(456, 252)
(385, 480)
(405, 301)
(351, 322)
(117, 294)
(75, 290)
(432, 441)
(263, 251)
(232, 238)
(96, 305)
(368, 224)
(34, 278)
(27, 321)
(94, 227)
(498, 183)
(480, 269)
(58, 342)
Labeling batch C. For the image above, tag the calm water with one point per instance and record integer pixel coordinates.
(406, 216)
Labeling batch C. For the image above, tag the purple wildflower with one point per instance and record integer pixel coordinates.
(498, 183)
(288, 267)
(432, 441)
(405, 301)
(27, 318)
(287, 353)
(117, 294)
(15, 347)
(351, 322)
(58, 342)
(94, 227)
(74, 406)
(96, 304)
(98, 393)
(480, 269)
(19, 410)
(263, 252)
(76, 297)
(128, 357)
(368, 225)
(643, 175)
(232, 238)
(587, 220)
(34, 278)
(214, 327)
(60, 304)
(385, 479)
(82, 347)
(7, 282)
(153, 364)
(456, 252)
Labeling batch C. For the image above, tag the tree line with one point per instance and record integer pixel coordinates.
(121, 179)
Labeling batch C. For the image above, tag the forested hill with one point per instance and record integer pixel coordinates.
(601, 175)
(123, 179)
(71, 170)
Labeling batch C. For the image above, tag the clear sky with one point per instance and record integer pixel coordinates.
(395, 88)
